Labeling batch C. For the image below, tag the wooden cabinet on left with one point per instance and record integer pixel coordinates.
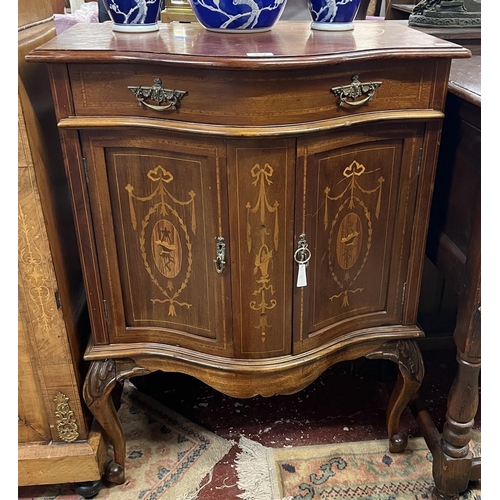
(57, 439)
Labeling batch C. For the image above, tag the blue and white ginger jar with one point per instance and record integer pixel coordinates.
(333, 15)
(231, 16)
(134, 15)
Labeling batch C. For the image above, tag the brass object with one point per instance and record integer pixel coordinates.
(178, 10)
(220, 260)
(65, 418)
(348, 93)
(165, 98)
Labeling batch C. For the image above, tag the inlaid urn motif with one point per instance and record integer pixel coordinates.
(350, 228)
(164, 238)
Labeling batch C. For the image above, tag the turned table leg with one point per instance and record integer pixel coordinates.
(406, 354)
(99, 383)
(453, 465)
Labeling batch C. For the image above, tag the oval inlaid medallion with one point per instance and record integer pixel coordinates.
(349, 240)
(166, 248)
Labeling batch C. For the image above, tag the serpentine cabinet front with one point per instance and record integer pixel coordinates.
(159, 205)
(249, 219)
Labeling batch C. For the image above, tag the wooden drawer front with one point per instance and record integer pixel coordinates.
(251, 97)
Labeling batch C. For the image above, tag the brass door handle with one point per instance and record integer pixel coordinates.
(347, 93)
(165, 98)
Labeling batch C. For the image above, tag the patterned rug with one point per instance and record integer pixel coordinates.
(167, 455)
(347, 471)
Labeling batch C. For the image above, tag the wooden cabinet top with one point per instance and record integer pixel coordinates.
(465, 79)
(289, 44)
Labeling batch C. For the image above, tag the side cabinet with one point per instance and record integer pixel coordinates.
(249, 214)
(58, 442)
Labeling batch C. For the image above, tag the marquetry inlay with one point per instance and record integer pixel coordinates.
(263, 244)
(351, 229)
(35, 271)
(169, 243)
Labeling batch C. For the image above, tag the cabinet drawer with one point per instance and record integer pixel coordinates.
(255, 98)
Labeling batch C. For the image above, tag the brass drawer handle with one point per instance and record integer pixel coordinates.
(220, 252)
(157, 93)
(354, 90)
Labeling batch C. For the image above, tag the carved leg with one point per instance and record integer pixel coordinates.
(406, 354)
(99, 383)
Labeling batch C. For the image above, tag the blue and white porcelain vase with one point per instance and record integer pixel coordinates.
(134, 16)
(333, 15)
(230, 16)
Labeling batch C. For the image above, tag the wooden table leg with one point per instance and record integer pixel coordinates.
(99, 383)
(453, 465)
(406, 354)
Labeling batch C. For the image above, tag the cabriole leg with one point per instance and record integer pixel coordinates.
(99, 383)
(406, 354)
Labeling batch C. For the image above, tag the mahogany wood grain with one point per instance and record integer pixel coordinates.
(406, 354)
(258, 152)
(213, 97)
(365, 287)
(465, 80)
(292, 45)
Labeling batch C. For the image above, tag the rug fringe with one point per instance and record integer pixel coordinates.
(188, 485)
(192, 495)
(254, 469)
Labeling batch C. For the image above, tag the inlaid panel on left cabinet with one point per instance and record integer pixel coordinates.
(159, 205)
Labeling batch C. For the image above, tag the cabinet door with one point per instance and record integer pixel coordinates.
(356, 193)
(158, 205)
(261, 200)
